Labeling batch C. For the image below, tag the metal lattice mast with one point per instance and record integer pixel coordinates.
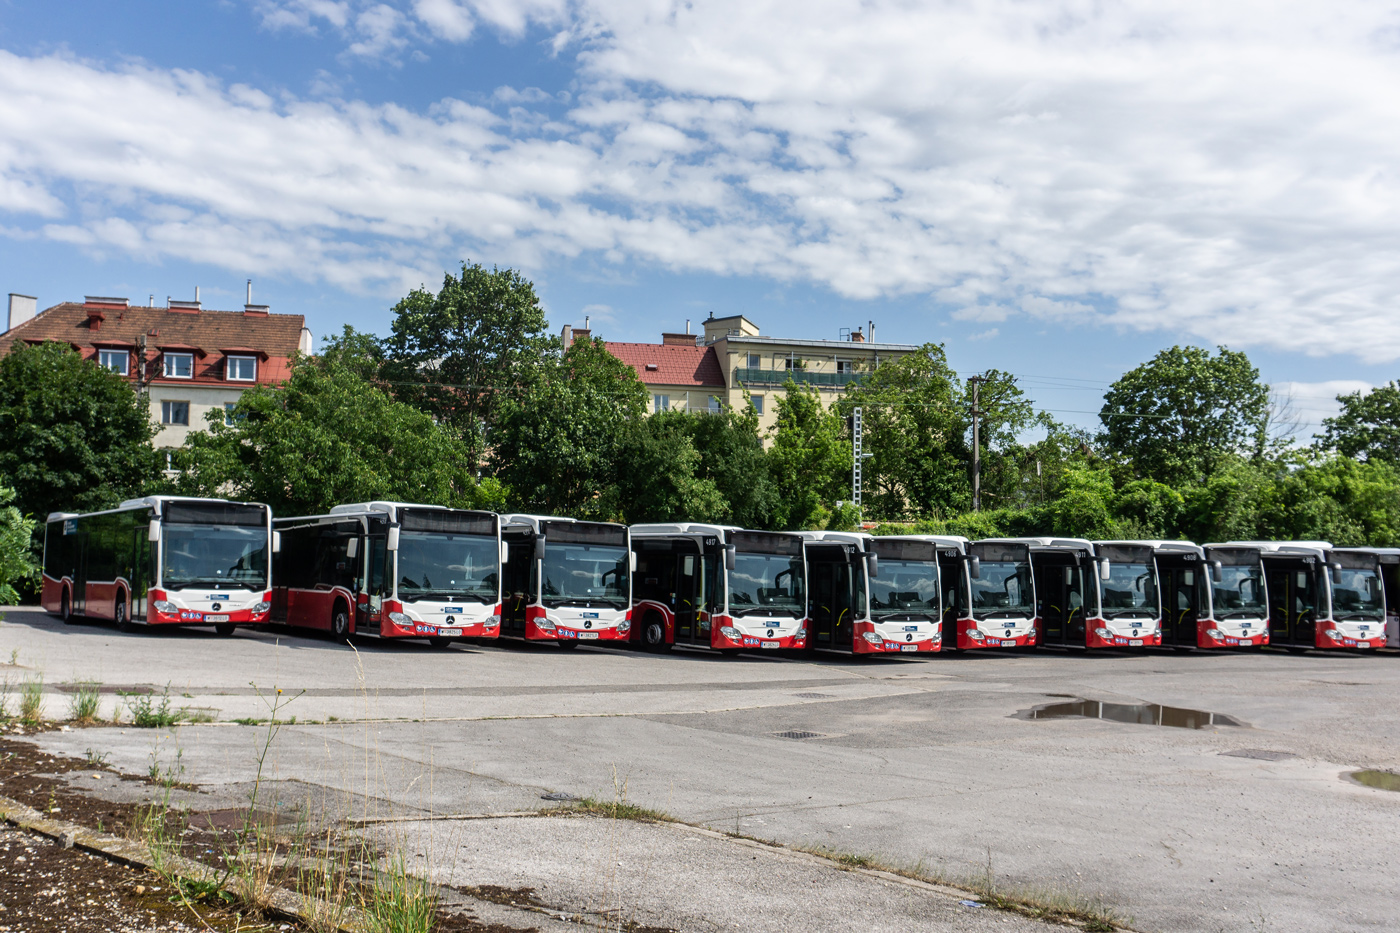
(856, 434)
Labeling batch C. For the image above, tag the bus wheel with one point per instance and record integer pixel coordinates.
(224, 629)
(119, 613)
(65, 610)
(340, 623)
(654, 633)
(439, 643)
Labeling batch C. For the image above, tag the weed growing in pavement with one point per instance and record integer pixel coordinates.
(5, 688)
(169, 776)
(326, 885)
(95, 759)
(82, 706)
(31, 700)
(146, 713)
(14, 657)
(399, 902)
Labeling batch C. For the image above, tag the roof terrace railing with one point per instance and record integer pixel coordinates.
(799, 376)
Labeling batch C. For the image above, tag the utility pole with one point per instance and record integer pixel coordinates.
(856, 433)
(976, 382)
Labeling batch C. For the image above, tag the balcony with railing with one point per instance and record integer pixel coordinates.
(757, 377)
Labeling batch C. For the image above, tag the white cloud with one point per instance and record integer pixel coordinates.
(1222, 170)
(986, 334)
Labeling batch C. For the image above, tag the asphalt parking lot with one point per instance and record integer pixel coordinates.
(1247, 827)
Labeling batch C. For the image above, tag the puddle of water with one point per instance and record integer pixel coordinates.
(1145, 714)
(1382, 780)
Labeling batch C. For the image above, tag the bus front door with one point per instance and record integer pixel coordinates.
(1059, 600)
(830, 599)
(689, 601)
(80, 560)
(1182, 606)
(1292, 605)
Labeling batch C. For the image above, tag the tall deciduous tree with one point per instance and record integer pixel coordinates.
(657, 477)
(326, 437)
(810, 459)
(17, 564)
(456, 353)
(556, 439)
(76, 437)
(1368, 426)
(1177, 417)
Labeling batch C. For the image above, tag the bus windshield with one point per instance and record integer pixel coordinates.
(1130, 592)
(1002, 590)
(905, 588)
(435, 565)
(1358, 597)
(766, 584)
(214, 556)
(1239, 594)
(589, 573)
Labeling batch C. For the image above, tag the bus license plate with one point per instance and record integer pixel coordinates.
(770, 644)
(1008, 644)
(908, 647)
(587, 634)
(1136, 642)
(449, 632)
(216, 618)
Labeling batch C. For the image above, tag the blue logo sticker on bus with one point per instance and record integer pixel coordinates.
(588, 615)
(223, 596)
(451, 608)
(70, 526)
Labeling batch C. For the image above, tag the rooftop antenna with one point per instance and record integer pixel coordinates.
(250, 292)
(196, 294)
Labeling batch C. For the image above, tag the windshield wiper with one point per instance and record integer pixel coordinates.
(1357, 617)
(215, 584)
(448, 595)
(1237, 613)
(765, 610)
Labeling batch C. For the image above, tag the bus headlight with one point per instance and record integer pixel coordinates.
(975, 635)
(262, 607)
(801, 634)
(872, 638)
(1214, 633)
(399, 618)
(493, 621)
(624, 626)
(1334, 634)
(545, 624)
(730, 632)
(1103, 633)
(164, 605)
(937, 635)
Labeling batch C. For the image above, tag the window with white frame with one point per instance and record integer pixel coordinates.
(115, 360)
(757, 401)
(714, 404)
(241, 368)
(179, 365)
(169, 460)
(755, 360)
(660, 402)
(788, 361)
(845, 367)
(175, 413)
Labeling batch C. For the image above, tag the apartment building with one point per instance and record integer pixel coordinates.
(187, 361)
(702, 372)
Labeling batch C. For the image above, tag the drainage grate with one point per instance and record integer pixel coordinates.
(559, 795)
(814, 696)
(798, 734)
(1262, 754)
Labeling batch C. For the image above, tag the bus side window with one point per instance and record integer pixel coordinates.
(377, 553)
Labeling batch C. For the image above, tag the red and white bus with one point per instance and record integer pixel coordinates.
(1000, 608)
(1213, 596)
(714, 586)
(392, 569)
(874, 595)
(1097, 594)
(566, 581)
(161, 560)
(1322, 596)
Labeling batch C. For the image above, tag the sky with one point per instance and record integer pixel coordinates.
(1054, 189)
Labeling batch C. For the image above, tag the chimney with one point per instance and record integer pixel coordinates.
(566, 336)
(250, 293)
(586, 319)
(857, 336)
(306, 342)
(22, 308)
(687, 325)
(250, 308)
(196, 294)
(678, 340)
(183, 307)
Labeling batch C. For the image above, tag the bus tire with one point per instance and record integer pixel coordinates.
(224, 629)
(340, 622)
(439, 643)
(119, 613)
(65, 610)
(567, 645)
(654, 633)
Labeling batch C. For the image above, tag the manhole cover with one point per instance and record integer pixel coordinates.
(798, 734)
(559, 795)
(813, 696)
(1263, 754)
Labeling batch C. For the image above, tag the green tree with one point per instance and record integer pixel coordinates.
(356, 351)
(16, 560)
(1367, 427)
(1177, 417)
(733, 459)
(459, 352)
(656, 477)
(327, 437)
(77, 437)
(810, 459)
(557, 439)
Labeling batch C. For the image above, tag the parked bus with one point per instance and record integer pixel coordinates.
(714, 586)
(1322, 596)
(1000, 612)
(1100, 594)
(392, 569)
(1213, 596)
(873, 595)
(566, 581)
(161, 560)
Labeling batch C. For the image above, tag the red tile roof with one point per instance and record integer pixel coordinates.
(674, 365)
(208, 333)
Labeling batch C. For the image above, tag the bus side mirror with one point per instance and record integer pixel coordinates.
(872, 562)
(1336, 574)
(391, 541)
(1105, 569)
(277, 542)
(632, 561)
(974, 568)
(505, 553)
(539, 547)
(352, 547)
(153, 530)
(729, 554)
(1217, 571)
(1069, 576)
